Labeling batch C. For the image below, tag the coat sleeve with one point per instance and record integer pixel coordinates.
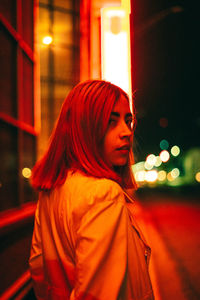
(101, 249)
(36, 259)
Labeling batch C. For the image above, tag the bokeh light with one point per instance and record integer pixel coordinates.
(158, 161)
(151, 176)
(175, 173)
(26, 172)
(164, 155)
(47, 40)
(175, 150)
(197, 176)
(138, 167)
(164, 145)
(163, 122)
(151, 159)
(140, 176)
(148, 166)
(162, 175)
(170, 177)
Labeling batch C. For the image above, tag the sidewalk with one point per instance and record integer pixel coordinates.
(165, 279)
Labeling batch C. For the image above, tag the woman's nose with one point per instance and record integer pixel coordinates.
(125, 131)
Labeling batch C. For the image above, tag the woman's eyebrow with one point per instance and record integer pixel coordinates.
(116, 114)
(129, 115)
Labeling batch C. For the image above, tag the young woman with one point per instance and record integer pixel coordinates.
(86, 244)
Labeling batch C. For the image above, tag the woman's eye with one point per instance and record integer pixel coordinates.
(112, 121)
(129, 123)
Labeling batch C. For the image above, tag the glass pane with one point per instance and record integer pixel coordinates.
(28, 161)
(63, 28)
(42, 140)
(44, 1)
(44, 23)
(67, 4)
(76, 67)
(29, 150)
(61, 92)
(9, 167)
(44, 61)
(76, 6)
(14, 255)
(27, 21)
(63, 63)
(77, 31)
(8, 9)
(8, 55)
(27, 100)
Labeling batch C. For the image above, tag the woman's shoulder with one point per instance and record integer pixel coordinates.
(82, 194)
(90, 190)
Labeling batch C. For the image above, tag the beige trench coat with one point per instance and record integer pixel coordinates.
(86, 244)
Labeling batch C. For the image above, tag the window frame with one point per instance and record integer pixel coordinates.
(32, 126)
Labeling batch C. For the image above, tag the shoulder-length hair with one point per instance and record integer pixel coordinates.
(77, 139)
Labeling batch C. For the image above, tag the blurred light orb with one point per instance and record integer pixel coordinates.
(170, 177)
(148, 166)
(175, 151)
(138, 167)
(175, 173)
(140, 176)
(197, 176)
(162, 175)
(151, 176)
(47, 40)
(164, 156)
(164, 145)
(163, 122)
(151, 159)
(158, 161)
(26, 172)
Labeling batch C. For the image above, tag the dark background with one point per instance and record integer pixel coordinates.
(165, 68)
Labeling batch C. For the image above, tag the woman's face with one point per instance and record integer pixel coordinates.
(118, 137)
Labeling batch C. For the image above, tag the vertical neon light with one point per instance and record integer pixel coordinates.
(115, 46)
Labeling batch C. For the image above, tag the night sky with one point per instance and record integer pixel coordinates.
(165, 51)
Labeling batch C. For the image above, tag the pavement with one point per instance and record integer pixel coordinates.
(171, 226)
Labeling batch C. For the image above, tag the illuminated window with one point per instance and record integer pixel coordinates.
(115, 39)
(58, 35)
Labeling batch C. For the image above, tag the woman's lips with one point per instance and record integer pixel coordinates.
(124, 149)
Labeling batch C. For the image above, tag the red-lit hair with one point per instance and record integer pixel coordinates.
(77, 139)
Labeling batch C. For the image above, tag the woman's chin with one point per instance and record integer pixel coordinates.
(120, 163)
